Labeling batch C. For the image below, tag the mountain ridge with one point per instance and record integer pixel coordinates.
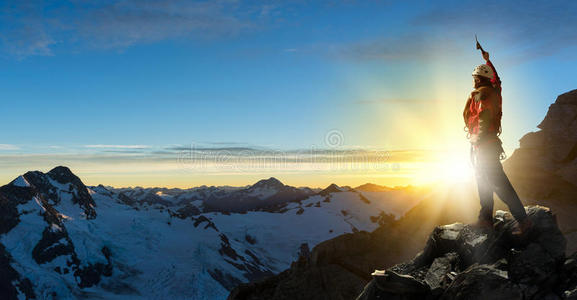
(61, 238)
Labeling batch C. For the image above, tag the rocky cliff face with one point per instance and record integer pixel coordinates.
(544, 168)
(553, 149)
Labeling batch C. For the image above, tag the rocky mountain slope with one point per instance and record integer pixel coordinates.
(60, 239)
(544, 168)
(458, 262)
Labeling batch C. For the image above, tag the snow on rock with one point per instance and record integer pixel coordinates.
(100, 242)
(20, 181)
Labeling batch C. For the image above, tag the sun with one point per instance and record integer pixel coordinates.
(456, 169)
(445, 167)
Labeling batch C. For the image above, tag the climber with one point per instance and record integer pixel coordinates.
(482, 116)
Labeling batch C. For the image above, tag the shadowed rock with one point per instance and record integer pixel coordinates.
(463, 262)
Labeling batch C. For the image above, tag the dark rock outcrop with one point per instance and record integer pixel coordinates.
(465, 262)
(77, 189)
(11, 282)
(187, 210)
(335, 269)
(333, 188)
(544, 168)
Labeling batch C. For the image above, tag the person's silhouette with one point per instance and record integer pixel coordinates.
(482, 117)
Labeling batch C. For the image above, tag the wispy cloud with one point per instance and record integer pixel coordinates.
(35, 27)
(528, 30)
(124, 23)
(534, 29)
(195, 148)
(117, 146)
(8, 147)
(310, 155)
(415, 45)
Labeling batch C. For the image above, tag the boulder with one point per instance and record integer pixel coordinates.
(482, 282)
(439, 274)
(533, 265)
(462, 261)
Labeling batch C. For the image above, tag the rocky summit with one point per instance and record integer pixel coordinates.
(544, 168)
(462, 261)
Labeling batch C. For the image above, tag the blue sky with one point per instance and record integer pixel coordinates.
(85, 83)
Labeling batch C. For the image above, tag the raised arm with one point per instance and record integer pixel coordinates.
(496, 81)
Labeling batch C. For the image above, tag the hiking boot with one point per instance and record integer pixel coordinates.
(522, 227)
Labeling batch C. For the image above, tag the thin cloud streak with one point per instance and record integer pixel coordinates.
(8, 147)
(117, 146)
(535, 29)
(531, 30)
(29, 28)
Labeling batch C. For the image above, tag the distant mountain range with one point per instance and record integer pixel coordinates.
(60, 239)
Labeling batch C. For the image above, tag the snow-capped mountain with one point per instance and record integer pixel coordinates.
(266, 194)
(62, 240)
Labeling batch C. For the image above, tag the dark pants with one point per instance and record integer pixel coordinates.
(492, 179)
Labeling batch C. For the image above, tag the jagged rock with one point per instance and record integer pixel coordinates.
(226, 249)
(374, 291)
(77, 189)
(560, 125)
(568, 285)
(395, 283)
(203, 219)
(54, 243)
(304, 256)
(126, 200)
(188, 210)
(463, 262)
(544, 167)
(532, 265)
(437, 276)
(482, 282)
(13, 284)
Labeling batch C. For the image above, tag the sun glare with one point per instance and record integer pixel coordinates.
(447, 167)
(456, 169)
